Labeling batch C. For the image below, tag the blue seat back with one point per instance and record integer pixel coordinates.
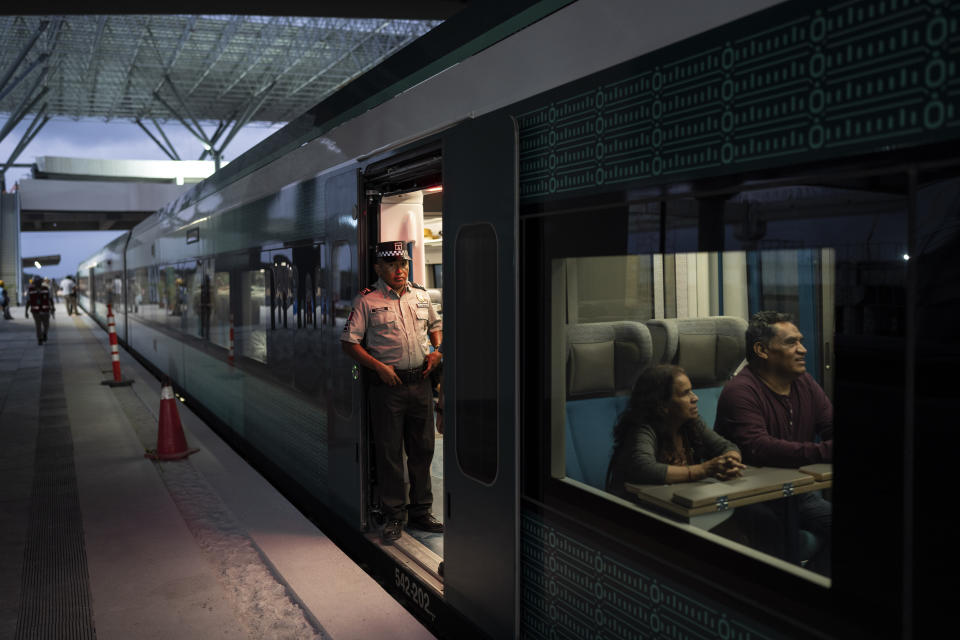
(603, 362)
(589, 437)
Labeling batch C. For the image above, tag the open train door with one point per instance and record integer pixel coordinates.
(480, 372)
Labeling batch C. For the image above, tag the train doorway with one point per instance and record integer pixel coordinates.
(404, 202)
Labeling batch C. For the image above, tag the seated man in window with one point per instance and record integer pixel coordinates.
(778, 415)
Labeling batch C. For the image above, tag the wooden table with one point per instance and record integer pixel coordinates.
(757, 484)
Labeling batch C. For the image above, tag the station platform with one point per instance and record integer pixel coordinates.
(97, 541)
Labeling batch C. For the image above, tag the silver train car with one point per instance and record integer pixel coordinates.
(587, 189)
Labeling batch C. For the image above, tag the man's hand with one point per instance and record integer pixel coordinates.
(388, 375)
(434, 358)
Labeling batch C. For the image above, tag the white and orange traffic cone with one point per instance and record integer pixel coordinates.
(171, 443)
(118, 380)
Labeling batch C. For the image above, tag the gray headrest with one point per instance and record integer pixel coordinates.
(605, 358)
(709, 349)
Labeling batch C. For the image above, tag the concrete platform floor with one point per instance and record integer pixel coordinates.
(97, 541)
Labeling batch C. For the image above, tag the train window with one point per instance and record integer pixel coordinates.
(296, 308)
(284, 290)
(188, 277)
(343, 293)
(172, 296)
(198, 284)
(476, 316)
(626, 314)
(675, 282)
(141, 303)
(254, 306)
(309, 303)
(220, 310)
(321, 299)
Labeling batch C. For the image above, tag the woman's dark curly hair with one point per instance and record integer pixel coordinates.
(648, 403)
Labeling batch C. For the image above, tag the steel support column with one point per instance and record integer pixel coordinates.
(23, 54)
(170, 153)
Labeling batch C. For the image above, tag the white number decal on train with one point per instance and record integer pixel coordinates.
(414, 591)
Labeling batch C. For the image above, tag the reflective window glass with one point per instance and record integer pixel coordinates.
(221, 317)
(254, 305)
(676, 282)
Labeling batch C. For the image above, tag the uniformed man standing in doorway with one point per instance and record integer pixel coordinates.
(399, 323)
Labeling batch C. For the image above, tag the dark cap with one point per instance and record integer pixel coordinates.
(394, 250)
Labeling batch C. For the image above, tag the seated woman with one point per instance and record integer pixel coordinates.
(660, 438)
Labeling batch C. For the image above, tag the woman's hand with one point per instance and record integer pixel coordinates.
(723, 467)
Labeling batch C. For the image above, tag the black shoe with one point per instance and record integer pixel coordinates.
(426, 522)
(391, 531)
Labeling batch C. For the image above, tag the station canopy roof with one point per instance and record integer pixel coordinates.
(188, 68)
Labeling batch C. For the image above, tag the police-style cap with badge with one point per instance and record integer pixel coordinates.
(393, 250)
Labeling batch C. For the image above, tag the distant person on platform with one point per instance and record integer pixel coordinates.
(5, 301)
(389, 331)
(39, 304)
(777, 413)
(53, 297)
(69, 288)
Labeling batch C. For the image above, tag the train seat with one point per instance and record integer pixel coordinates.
(436, 298)
(603, 362)
(710, 349)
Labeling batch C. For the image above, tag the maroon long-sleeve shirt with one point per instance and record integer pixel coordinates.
(775, 430)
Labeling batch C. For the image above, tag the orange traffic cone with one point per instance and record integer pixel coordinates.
(171, 443)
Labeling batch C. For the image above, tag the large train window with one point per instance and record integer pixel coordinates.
(611, 293)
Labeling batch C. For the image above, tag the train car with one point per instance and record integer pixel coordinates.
(100, 286)
(600, 187)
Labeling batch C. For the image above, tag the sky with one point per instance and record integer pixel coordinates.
(117, 140)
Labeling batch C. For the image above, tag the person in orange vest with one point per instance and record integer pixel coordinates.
(38, 303)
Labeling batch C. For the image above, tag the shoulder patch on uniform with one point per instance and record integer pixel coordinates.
(367, 291)
(418, 286)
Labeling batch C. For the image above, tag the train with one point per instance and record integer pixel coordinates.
(587, 189)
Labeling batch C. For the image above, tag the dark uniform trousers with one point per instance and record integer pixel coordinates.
(400, 417)
(42, 321)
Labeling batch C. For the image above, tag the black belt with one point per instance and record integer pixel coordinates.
(407, 376)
